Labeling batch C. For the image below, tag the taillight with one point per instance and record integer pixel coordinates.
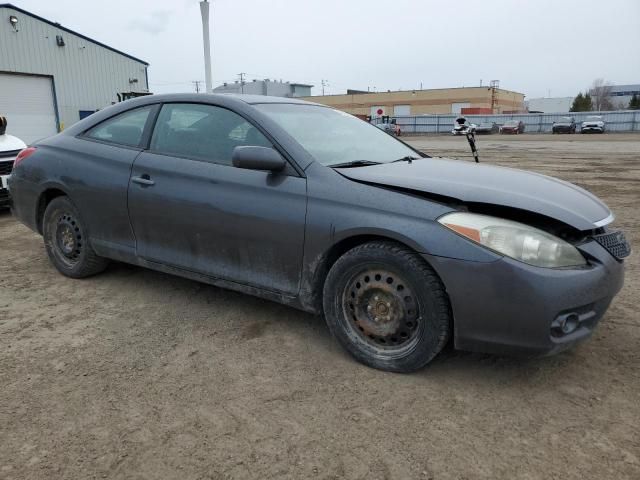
(27, 152)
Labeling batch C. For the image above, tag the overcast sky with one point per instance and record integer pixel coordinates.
(539, 47)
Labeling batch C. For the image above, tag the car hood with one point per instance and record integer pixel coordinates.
(489, 184)
(10, 143)
(562, 124)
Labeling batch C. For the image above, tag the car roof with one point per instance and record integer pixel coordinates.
(204, 97)
(253, 99)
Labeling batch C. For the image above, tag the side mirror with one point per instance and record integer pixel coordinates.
(258, 158)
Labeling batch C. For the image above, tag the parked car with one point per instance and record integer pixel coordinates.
(593, 123)
(487, 128)
(390, 128)
(512, 126)
(564, 125)
(10, 146)
(311, 207)
(457, 130)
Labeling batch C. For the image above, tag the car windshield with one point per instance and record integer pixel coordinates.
(333, 137)
(564, 120)
(511, 123)
(594, 118)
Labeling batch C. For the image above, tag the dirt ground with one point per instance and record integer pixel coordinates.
(135, 374)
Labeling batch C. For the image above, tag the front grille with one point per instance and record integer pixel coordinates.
(6, 167)
(615, 243)
(9, 153)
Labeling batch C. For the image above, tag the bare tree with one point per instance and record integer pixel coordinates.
(601, 94)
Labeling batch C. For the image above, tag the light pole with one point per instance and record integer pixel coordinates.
(204, 10)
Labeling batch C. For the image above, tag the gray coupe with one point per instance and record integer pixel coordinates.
(312, 207)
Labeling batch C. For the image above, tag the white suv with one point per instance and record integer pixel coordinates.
(10, 146)
(593, 123)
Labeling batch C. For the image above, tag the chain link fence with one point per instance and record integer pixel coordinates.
(618, 121)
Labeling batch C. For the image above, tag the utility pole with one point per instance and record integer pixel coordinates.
(241, 75)
(204, 11)
(197, 84)
(324, 83)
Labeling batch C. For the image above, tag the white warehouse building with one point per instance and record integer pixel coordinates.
(51, 77)
(266, 87)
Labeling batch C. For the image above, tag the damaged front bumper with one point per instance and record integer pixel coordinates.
(508, 307)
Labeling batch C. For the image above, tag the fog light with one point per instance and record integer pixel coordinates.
(565, 324)
(569, 323)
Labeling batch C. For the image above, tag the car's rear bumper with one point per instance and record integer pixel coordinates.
(509, 307)
(23, 200)
(592, 129)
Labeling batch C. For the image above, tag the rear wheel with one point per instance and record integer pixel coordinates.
(387, 307)
(67, 241)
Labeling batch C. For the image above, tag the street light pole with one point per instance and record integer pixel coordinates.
(204, 10)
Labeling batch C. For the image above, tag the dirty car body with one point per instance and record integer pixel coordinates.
(278, 234)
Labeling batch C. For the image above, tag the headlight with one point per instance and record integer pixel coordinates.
(516, 240)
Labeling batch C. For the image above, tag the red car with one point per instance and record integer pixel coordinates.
(513, 126)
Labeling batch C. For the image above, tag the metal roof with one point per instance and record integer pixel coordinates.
(624, 88)
(57, 25)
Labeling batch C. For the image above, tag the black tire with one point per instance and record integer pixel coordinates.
(388, 276)
(66, 240)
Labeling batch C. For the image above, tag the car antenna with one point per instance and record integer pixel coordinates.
(463, 127)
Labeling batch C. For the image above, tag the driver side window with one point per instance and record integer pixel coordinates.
(203, 132)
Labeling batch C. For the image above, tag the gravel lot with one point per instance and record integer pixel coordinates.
(137, 374)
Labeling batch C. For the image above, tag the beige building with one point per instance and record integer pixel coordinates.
(465, 100)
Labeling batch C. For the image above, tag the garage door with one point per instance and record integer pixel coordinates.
(401, 110)
(27, 102)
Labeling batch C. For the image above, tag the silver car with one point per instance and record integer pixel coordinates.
(593, 123)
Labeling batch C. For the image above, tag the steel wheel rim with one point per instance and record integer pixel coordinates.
(382, 310)
(67, 239)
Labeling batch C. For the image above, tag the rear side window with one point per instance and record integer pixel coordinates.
(123, 129)
(203, 132)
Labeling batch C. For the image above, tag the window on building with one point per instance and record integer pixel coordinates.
(123, 129)
(203, 132)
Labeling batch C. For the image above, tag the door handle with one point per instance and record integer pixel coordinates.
(143, 180)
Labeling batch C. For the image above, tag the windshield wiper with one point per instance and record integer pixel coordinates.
(354, 163)
(408, 158)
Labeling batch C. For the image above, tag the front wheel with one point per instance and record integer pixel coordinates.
(67, 241)
(387, 307)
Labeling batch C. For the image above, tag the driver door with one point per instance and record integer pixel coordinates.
(190, 208)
